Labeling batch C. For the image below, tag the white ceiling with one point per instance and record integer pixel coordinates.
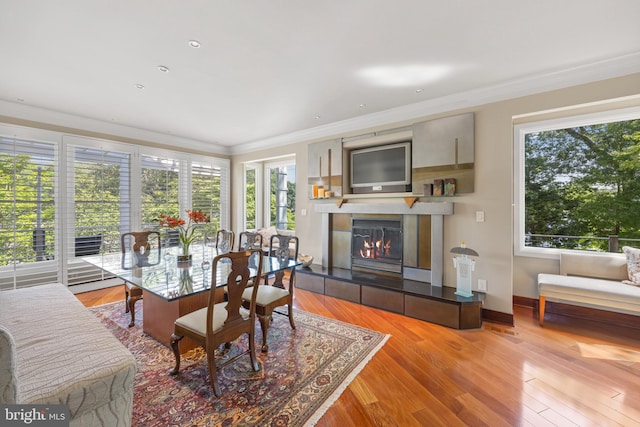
(268, 72)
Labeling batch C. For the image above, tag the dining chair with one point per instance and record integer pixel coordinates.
(225, 240)
(274, 294)
(142, 245)
(223, 322)
(249, 240)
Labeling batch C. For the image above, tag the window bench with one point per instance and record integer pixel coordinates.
(592, 280)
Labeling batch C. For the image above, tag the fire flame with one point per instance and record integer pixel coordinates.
(375, 250)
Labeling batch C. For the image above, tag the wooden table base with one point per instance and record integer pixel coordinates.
(159, 316)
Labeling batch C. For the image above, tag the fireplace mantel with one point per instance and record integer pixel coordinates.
(437, 211)
(418, 208)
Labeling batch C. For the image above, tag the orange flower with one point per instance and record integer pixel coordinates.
(187, 234)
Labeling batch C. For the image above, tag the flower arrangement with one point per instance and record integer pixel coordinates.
(186, 228)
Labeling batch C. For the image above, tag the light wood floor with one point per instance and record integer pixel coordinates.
(569, 372)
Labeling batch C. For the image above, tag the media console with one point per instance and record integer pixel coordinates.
(435, 304)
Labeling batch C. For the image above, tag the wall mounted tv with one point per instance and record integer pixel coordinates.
(381, 169)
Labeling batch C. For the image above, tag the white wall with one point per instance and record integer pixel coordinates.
(506, 275)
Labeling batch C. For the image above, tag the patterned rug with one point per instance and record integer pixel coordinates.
(303, 373)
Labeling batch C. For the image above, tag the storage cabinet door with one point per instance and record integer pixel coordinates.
(442, 142)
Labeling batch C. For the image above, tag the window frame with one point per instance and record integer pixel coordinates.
(520, 130)
(259, 208)
(266, 184)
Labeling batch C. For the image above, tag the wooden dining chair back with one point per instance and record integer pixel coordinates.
(144, 249)
(225, 240)
(223, 322)
(249, 240)
(274, 293)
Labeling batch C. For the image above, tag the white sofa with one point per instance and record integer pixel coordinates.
(592, 280)
(54, 351)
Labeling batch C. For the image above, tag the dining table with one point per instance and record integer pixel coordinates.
(171, 289)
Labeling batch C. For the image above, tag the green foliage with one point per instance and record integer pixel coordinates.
(250, 202)
(19, 207)
(583, 181)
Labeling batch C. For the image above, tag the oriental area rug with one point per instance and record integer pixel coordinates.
(303, 373)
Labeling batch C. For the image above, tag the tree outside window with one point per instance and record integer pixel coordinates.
(582, 186)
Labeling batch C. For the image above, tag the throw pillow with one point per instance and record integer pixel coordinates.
(633, 264)
(266, 234)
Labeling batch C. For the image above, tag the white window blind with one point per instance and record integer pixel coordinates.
(207, 194)
(27, 213)
(99, 207)
(160, 183)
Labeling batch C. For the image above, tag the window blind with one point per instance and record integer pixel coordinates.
(27, 212)
(98, 207)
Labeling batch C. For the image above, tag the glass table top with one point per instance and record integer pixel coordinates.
(161, 273)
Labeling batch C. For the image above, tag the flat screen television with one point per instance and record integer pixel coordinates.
(381, 169)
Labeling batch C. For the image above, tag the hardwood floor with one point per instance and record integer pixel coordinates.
(569, 372)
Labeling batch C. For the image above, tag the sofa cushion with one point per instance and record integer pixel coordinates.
(633, 265)
(64, 355)
(8, 380)
(590, 292)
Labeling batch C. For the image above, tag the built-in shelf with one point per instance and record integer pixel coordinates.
(435, 304)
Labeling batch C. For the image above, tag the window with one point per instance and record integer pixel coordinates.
(98, 200)
(280, 194)
(27, 212)
(160, 184)
(251, 212)
(64, 196)
(578, 183)
(208, 191)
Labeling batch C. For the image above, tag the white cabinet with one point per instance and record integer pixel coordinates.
(441, 142)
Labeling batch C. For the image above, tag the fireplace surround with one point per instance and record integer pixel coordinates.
(433, 212)
(417, 292)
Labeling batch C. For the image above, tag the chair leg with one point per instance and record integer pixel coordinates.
(252, 352)
(175, 345)
(290, 308)
(541, 304)
(126, 298)
(265, 320)
(132, 309)
(213, 374)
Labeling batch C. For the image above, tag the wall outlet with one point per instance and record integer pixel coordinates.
(482, 285)
(303, 212)
(479, 216)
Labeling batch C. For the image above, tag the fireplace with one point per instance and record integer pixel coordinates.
(376, 243)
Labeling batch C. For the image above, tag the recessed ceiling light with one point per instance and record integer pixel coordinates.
(316, 117)
(362, 105)
(139, 86)
(418, 90)
(194, 44)
(163, 68)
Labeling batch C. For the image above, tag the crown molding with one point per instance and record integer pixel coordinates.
(553, 80)
(29, 113)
